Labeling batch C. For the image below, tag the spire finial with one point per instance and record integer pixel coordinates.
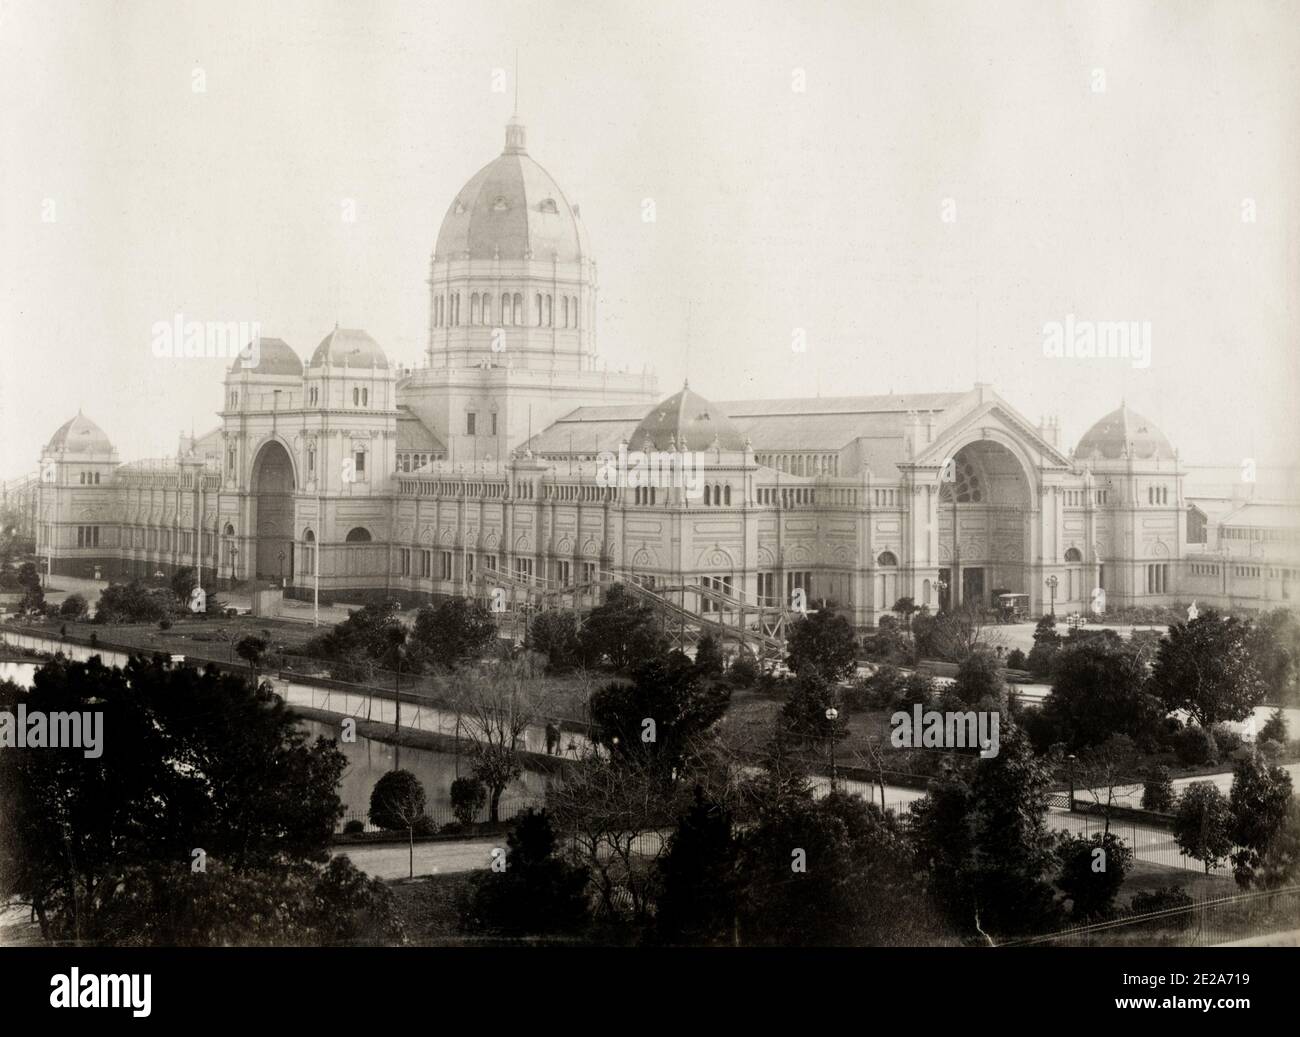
(516, 111)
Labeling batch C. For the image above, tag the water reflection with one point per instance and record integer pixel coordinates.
(369, 760)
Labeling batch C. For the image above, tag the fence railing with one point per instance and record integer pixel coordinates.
(1203, 923)
(440, 814)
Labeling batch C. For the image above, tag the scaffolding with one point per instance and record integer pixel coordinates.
(687, 611)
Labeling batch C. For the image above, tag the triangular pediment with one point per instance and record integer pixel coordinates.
(987, 416)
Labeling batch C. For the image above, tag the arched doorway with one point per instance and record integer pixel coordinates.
(273, 485)
(993, 513)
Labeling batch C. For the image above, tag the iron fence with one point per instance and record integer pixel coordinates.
(440, 815)
(1203, 923)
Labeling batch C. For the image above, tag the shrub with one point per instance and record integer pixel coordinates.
(397, 801)
(1158, 790)
(468, 797)
(1270, 749)
(1274, 729)
(354, 827)
(164, 624)
(1091, 890)
(1166, 899)
(1016, 659)
(74, 607)
(1195, 746)
(743, 672)
(1227, 739)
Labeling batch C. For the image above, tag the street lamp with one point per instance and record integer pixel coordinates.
(1052, 584)
(832, 715)
(281, 562)
(1070, 760)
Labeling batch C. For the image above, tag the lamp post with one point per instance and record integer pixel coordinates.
(1070, 760)
(1052, 584)
(282, 569)
(234, 555)
(940, 587)
(832, 715)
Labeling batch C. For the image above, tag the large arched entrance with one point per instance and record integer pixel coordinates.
(993, 519)
(273, 525)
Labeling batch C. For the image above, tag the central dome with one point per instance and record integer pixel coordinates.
(686, 421)
(511, 209)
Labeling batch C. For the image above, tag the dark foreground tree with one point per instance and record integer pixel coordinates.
(983, 841)
(1092, 872)
(697, 900)
(535, 893)
(196, 766)
(1260, 800)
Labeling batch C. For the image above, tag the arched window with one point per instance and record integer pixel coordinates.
(473, 308)
(564, 309)
(726, 494)
(708, 495)
(356, 396)
(505, 308)
(539, 309)
(887, 558)
(358, 535)
(1073, 555)
(519, 309)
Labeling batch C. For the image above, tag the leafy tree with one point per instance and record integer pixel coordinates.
(1202, 824)
(468, 797)
(697, 902)
(134, 603)
(165, 904)
(452, 632)
(1207, 668)
(1098, 692)
(73, 607)
(984, 842)
(367, 633)
(905, 607)
(1046, 641)
(1260, 800)
(1092, 872)
(622, 630)
(1275, 644)
(1195, 746)
(822, 641)
(1158, 790)
(1016, 659)
(708, 657)
(182, 582)
(396, 805)
(554, 633)
(835, 871)
(29, 579)
(743, 671)
(803, 717)
(536, 893)
(979, 680)
(251, 649)
(1274, 729)
(192, 759)
(662, 715)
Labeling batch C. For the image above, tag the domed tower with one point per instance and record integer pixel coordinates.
(76, 520)
(512, 315)
(1138, 483)
(512, 276)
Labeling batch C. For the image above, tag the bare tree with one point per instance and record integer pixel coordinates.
(495, 711)
(1106, 774)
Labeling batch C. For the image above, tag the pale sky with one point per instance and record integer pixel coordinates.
(1099, 158)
